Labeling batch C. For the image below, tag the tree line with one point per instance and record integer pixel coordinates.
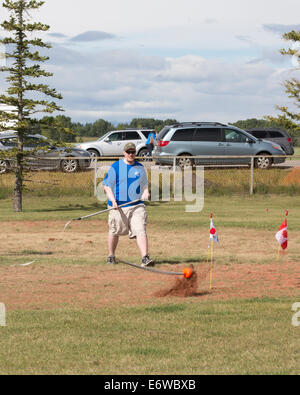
(61, 127)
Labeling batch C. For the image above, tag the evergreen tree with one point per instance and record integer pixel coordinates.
(23, 68)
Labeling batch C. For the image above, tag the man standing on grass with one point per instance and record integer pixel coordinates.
(125, 182)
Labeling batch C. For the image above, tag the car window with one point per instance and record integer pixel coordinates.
(208, 134)
(260, 134)
(183, 135)
(275, 134)
(234, 136)
(12, 142)
(115, 136)
(163, 132)
(131, 136)
(32, 142)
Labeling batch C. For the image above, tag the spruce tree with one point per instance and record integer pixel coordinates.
(23, 58)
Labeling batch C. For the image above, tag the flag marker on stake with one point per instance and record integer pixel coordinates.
(282, 236)
(213, 237)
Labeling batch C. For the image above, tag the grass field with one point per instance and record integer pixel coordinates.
(70, 313)
(297, 151)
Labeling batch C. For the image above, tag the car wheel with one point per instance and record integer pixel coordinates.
(185, 162)
(143, 153)
(3, 166)
(69, 165)
(263, 162)
(94, 153)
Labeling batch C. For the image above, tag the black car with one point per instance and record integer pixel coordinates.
(279, 136)
(45, 156)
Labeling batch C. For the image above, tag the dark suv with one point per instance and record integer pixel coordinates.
(216, 143)
(279, 136)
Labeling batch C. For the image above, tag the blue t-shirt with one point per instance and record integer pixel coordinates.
(126, 181)
(149, 138)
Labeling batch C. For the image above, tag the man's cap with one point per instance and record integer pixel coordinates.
(129, 146)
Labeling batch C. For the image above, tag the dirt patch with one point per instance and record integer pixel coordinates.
(69, 268)
(78, 286)
(293, 178)
(184, 287)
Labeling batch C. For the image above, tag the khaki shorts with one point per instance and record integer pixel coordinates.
(130, 221)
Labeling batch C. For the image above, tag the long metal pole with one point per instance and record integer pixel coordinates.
(100, 212)
(251, 176)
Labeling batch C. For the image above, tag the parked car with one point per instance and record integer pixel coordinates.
(213, 139)
(278, 136)
(113, 142)
(67, 160)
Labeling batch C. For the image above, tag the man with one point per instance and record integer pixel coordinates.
(127, 181)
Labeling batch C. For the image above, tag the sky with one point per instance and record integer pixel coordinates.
(189, 60)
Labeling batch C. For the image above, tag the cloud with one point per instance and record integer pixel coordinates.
(121, 85)
(210, 21)
(92, 35)
(57, 35)
(245, 39)
(280, 29)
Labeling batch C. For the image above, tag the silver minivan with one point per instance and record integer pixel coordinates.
(215, 139)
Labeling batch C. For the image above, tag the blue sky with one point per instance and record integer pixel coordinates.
(190, 60)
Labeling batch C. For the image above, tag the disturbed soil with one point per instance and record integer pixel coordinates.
(40, 286)
(69, 270)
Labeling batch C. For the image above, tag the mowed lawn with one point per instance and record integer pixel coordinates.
(236, 337)
(203, 334)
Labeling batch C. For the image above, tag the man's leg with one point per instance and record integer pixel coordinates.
(112, 245)
(142, 242)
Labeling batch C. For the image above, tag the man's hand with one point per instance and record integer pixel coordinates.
(111, 197)
(145, 195)
(115, 205)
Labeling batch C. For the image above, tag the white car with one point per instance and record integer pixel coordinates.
(112, 143)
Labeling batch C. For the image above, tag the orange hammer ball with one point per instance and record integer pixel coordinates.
(187, 272)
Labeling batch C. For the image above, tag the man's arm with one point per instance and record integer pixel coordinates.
(144, 186)
(110, 195)
(145, 194)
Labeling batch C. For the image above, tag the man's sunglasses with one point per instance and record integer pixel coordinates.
(130, 152)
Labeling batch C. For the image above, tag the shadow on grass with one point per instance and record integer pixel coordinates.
(69, 207)
(30, 252)
(202, 293)
(87, 208)
(177, 261)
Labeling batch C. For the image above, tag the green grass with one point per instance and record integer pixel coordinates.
(297, 152)
(237, 337)
(218, 182)
(228, 211)
(170, 336)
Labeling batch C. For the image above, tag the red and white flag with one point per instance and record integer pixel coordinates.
(282, 235)
(213, 235)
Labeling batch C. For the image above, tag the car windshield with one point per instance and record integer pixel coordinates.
(163, 132)
(104, 136)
